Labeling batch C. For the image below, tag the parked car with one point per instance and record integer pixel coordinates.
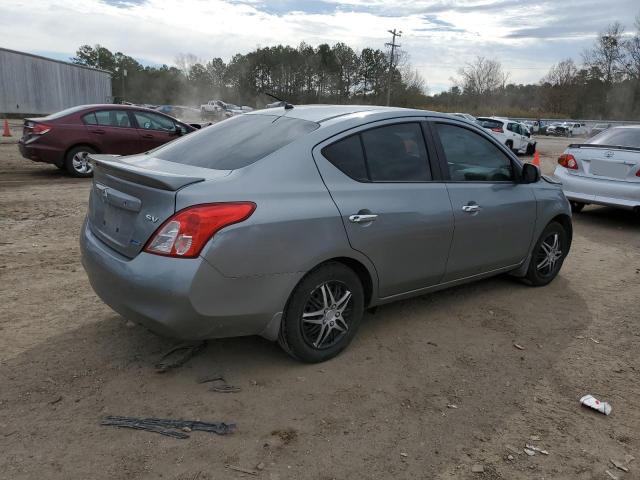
(508, 132)
(599, 128)
(576, 129)
(67, 137)
(533, 125)
(466, 116)
(291, 226)
(604, 170)
(531, 142)
(222, 110)
(557, 129)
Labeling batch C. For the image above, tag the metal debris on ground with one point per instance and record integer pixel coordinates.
(240, 469)
(477, 468)
(219, 384)
(536, 449)
(178, 356)
(529, 452)
(451, 405)
(169, 427)
(594, 340)
(611, 475)
(618, 465)
(518, 346)
(592, 402)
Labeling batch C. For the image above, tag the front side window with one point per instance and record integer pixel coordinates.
(153, 121)
(471, 157)
(393, 153)
(112, 118)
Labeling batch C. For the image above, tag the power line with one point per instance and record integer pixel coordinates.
(393, 46)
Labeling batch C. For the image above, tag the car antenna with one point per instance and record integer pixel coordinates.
(287, 105)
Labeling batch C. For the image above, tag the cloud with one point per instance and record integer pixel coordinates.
(439, 36)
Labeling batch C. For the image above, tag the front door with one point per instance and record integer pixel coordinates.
(154, 129)
(494, 214)
(381, 181)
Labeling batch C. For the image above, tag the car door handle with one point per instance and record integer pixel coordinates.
(471, 208)
(147, 135)
(98, 131)
(362, 218)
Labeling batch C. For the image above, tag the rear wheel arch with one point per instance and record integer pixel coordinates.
(81, 144)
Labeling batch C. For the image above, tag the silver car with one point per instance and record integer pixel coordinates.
(290, 222)
(605, 170)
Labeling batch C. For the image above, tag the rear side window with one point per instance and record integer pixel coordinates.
(112, 118)
(347, 155)
(471, 157)
(235, 142)
(393, 153)
(90, 119)
(489, 123)
(623, 137)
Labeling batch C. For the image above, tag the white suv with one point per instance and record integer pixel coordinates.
(510, 133)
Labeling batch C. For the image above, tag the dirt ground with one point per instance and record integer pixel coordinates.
(380, 410)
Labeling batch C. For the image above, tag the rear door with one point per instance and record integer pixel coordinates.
(393, 206)
(112, 131)
(494, 215)
(154, 129)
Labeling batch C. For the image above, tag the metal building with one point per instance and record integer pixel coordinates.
(30, 84)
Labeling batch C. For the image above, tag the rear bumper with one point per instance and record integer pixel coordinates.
(599, 191)
(40, 153)
(187, 299)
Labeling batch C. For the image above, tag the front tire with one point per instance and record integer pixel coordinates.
(323, 313)
(548, 255)
(77, 163)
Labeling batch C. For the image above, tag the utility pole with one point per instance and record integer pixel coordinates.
(393, 46)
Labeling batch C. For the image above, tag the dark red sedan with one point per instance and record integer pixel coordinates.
(65, 138)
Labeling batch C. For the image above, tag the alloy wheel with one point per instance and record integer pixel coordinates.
(81, 163)
(326, 315)
(548, 255)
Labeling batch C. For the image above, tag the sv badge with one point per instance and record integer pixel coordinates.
(151, 218)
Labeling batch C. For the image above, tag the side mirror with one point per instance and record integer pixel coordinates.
(530, 173)
(178, 130)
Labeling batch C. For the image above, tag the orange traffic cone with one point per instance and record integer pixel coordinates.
(536, 159)
(7, 132)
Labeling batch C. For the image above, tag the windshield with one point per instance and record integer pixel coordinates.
(236, 142)
(622, 137)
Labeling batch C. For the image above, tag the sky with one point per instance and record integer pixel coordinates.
(440, 36)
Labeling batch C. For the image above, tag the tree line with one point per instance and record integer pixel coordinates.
(604, 84)
(303, 74)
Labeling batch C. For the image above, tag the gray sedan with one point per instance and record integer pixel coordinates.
(290, 222)
(605, 170)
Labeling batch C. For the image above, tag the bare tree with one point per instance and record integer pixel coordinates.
(481, 77)
(561, 75)
(186, 61)
(607, 55)
(631, 49)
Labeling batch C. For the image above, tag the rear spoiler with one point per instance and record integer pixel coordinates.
(606, 147)
(112, 165)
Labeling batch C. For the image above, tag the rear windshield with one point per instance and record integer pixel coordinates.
(490, 123)
(623, 137)
(235, 142)
(65, 112)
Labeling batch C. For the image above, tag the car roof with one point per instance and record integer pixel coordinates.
(322, 113)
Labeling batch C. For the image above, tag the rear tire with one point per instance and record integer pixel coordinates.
(323, 314)
(576, 207)
(76, 162)
(547, 255)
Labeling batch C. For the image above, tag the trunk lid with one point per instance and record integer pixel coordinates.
(132, 196)
(606, 162)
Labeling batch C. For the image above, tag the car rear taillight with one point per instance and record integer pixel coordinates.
(638, 173)
(185, 234)
(40, 128)
(568, 161)
(497, 130)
